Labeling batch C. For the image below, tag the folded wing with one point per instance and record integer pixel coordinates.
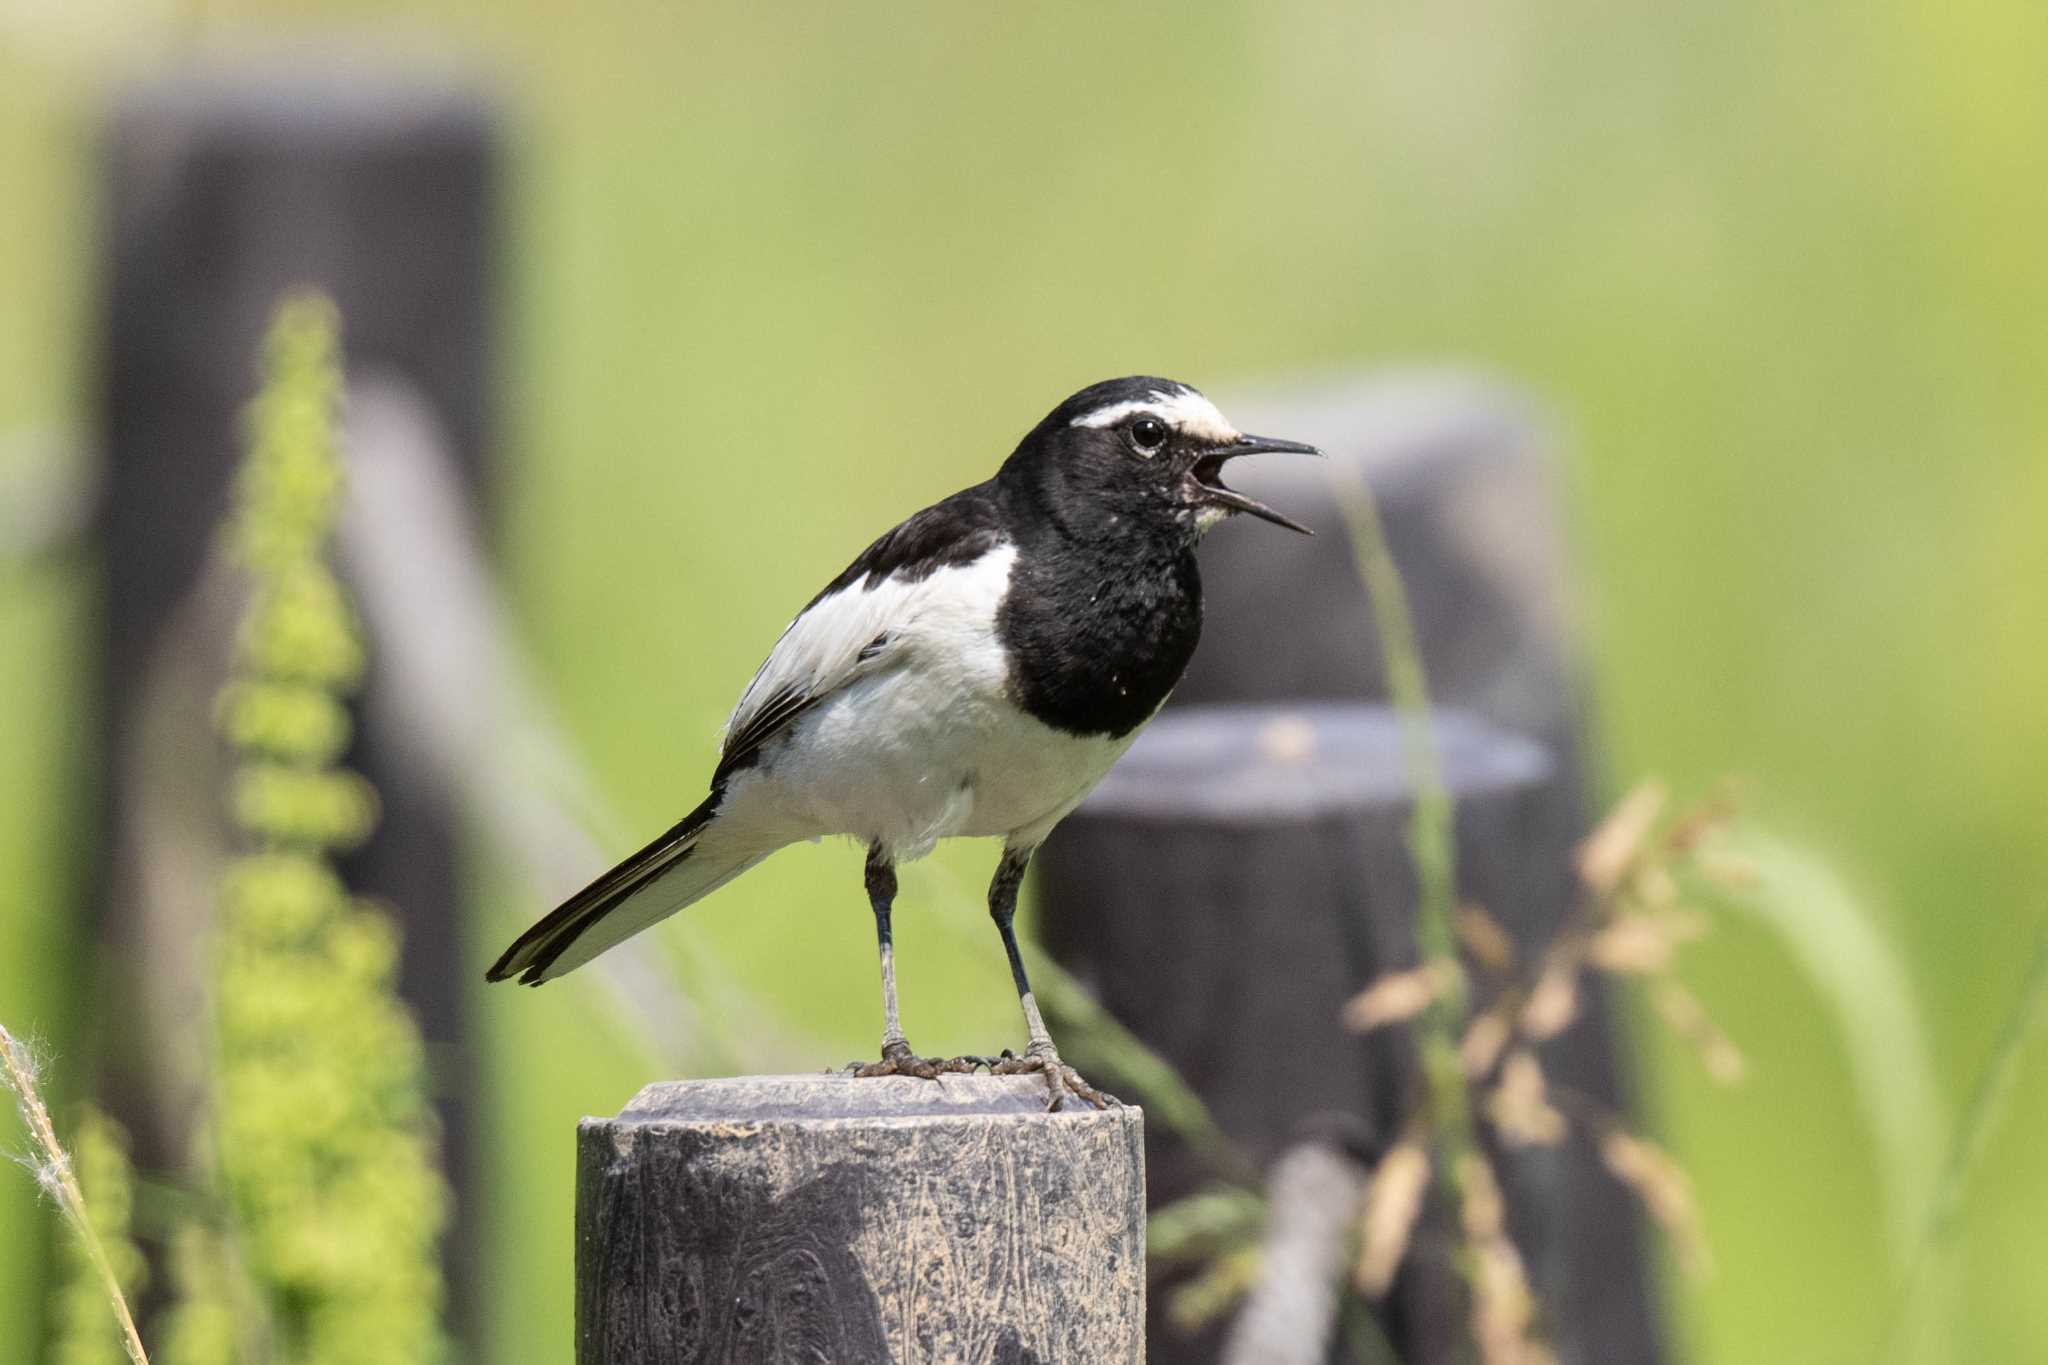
(854, 627)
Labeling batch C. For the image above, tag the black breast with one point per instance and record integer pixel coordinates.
(1096, 640)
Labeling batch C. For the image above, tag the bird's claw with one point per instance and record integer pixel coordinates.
(1061, 1079)
(898, 1060)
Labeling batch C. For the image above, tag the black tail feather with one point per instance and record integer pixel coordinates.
(534, 951)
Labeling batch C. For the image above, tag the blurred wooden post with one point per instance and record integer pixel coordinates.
(1226, 920)
(766, 1219)
(225, 188)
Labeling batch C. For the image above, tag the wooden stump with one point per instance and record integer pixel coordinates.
(226, 186)
(771, 1219)
(1239, 875)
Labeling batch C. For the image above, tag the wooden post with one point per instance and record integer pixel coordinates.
(1241, 874)
(1186, 916)
(1467, 476)
(768, 1219)
(227, 186)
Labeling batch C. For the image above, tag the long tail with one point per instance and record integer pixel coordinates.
(654, 883)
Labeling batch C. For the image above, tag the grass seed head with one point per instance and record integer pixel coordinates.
(1554, 1001)
(1396, 997)
(1661, 1183)
(1491, 946)
(1484, 1038)
(1393, 1201)
(1611, 849)
(1520, 1105)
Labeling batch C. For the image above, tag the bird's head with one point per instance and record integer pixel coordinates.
(1144, 453)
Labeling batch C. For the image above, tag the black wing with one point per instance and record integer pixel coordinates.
(844, 632)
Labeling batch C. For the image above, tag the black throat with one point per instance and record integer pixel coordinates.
(1099, 622)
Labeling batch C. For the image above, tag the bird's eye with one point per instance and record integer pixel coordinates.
(1147, 435)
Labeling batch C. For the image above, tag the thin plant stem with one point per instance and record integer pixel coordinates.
(1169, 1098)
(54, 1173)
(1103, 1038)
(1979, 1120)
(1431, 846)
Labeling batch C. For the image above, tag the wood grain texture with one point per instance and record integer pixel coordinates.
(778, 1219)
(1236, 879)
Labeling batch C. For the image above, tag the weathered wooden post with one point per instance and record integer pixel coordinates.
(1223, 898)
(772, 1219)
(225, 187)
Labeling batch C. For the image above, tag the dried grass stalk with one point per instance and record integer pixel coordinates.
(1687, 1017)
(1491, 946)
(1554, 1001)
(1503, 1305)
(52, 1168)
(1520, 1105)
(1398, 996)
(1392, 1204)
(1611, 849)
(1703, 820)
(1483, 1041)
(1640, 945)
(1664, 1188)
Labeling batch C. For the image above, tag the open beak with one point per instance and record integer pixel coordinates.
(1208, 473)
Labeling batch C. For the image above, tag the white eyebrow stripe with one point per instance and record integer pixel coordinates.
(1116, 412)
(1186, 411)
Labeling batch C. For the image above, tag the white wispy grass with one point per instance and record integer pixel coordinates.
(51, 1165)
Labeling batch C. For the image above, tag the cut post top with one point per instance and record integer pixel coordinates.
(1248, 764)
(831, 1096)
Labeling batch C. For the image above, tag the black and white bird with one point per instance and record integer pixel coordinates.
(974, 673)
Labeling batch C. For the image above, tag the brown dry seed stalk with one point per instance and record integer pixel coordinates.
(1520, 1106)
(1726, 870)
(1681, 1009)
(1480, 1206)
(1503, 1307)
(1392, 1203)
(53, 1171)
(1705, 818)
(1397, 997)
(1490, 945)
(1484, 1039)
(1637, 944)
(1664, 1189)
(1609, 851)
(1554, 1002)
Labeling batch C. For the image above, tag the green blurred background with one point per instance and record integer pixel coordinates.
(1778, 270)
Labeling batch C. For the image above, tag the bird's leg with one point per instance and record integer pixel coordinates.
(897, 1058)
(1040, 1055)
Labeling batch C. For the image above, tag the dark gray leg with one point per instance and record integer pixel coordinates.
(1040, 1055)
(897, 1058)
(881, 880)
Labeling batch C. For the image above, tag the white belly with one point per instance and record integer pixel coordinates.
(915, 755)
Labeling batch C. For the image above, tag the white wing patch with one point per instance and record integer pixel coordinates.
(877, 624)
(1182, 409)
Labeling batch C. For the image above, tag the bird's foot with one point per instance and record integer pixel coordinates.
(899, 1060)
(1064, 1082)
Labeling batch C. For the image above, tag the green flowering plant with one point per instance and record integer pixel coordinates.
(319, 1130)
(316, 1239)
